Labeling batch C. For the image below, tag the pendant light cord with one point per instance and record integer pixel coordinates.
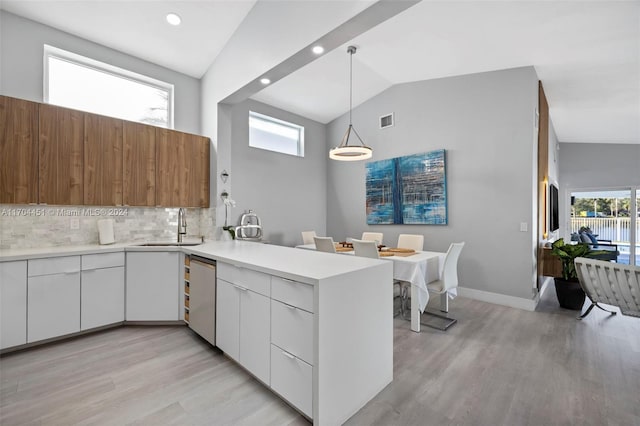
(351, 51)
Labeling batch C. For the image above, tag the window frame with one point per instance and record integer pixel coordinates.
(273, 120)
(95, 65)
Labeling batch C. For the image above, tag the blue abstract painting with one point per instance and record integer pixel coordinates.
(408, 190)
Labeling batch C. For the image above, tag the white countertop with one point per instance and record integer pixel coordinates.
(40, 252)
(288, 262)
(300, 265)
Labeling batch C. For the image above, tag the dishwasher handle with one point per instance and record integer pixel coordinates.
(204, 261)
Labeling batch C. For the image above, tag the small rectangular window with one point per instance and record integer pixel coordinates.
(275, 135)
(77, 82)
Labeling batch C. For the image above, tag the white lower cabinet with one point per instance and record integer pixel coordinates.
(102, 300)
(228, 319)
(13, 303)
(292, 337)
(254, 333)
(243, 326)
(153, 289)
(293, 379)
(292, 330)
(102, 290)
(53, 297)
(243, 318)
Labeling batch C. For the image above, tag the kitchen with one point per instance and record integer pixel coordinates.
(301, 189)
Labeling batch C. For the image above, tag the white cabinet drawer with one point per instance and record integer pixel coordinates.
(292, 293)
(106, 260)
(292, 378)
(54, 265)
(243, 277)
(292, 330)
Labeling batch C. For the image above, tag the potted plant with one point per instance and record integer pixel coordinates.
(570, 294)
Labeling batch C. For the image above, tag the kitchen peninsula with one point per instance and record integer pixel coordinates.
(347, 305)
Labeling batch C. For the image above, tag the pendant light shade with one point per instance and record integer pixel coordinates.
(345, 151)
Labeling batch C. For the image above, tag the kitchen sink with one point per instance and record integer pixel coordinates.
(167, 244)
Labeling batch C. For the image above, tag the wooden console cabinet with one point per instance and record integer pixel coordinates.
(551, 265)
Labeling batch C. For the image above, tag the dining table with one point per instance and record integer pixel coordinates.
(417, 269)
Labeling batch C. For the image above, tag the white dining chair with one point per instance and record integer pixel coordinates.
(448, 281)
(369, 249)
(365, 248)
(411, 241)
(307, 237)
(325, 244)
(373, 236)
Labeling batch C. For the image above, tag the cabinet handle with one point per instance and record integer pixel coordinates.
(71, 272)
(288, 355)
(290, 307)
(288, 280)
(239, 288)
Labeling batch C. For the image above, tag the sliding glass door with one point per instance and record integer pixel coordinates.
(612, 216)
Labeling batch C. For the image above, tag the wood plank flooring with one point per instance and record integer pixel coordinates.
(496, 366)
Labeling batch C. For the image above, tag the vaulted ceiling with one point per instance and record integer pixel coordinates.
(587, 53)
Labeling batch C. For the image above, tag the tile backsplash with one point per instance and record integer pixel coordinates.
(29, 226)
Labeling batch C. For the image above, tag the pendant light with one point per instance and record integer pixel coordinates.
(346, 152)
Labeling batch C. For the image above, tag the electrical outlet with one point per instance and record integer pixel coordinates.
(524, 226)
(75, 223)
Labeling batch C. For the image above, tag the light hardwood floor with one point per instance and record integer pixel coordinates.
(497, 366)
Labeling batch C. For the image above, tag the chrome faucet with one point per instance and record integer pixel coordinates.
(182, 224)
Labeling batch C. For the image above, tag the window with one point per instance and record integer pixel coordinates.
(275, 135)
(77, 82)
(609, 213)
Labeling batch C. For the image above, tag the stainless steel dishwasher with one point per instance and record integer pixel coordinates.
(202, 298)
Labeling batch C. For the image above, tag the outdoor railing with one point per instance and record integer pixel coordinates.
(615, 229)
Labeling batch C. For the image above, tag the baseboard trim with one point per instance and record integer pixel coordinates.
(500, 299)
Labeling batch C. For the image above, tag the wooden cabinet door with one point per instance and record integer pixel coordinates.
(102, 161)
(139, 174)
(18, 151)
(61, 148)
(182, 169)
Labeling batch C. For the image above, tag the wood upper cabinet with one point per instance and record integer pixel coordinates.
(61, 148)
(18, 151)
(102, 160)
(182, 169)
(55, 155)
(139, 167)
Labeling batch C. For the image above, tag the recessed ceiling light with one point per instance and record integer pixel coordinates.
(265, 81)
(173, 19)
(318, 50)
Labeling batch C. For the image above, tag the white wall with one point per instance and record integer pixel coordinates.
(21, 67)
(286, 191)
(261, 42)
(595, 166)
(486, 123)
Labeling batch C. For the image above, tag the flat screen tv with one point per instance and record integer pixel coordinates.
(554, 217)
